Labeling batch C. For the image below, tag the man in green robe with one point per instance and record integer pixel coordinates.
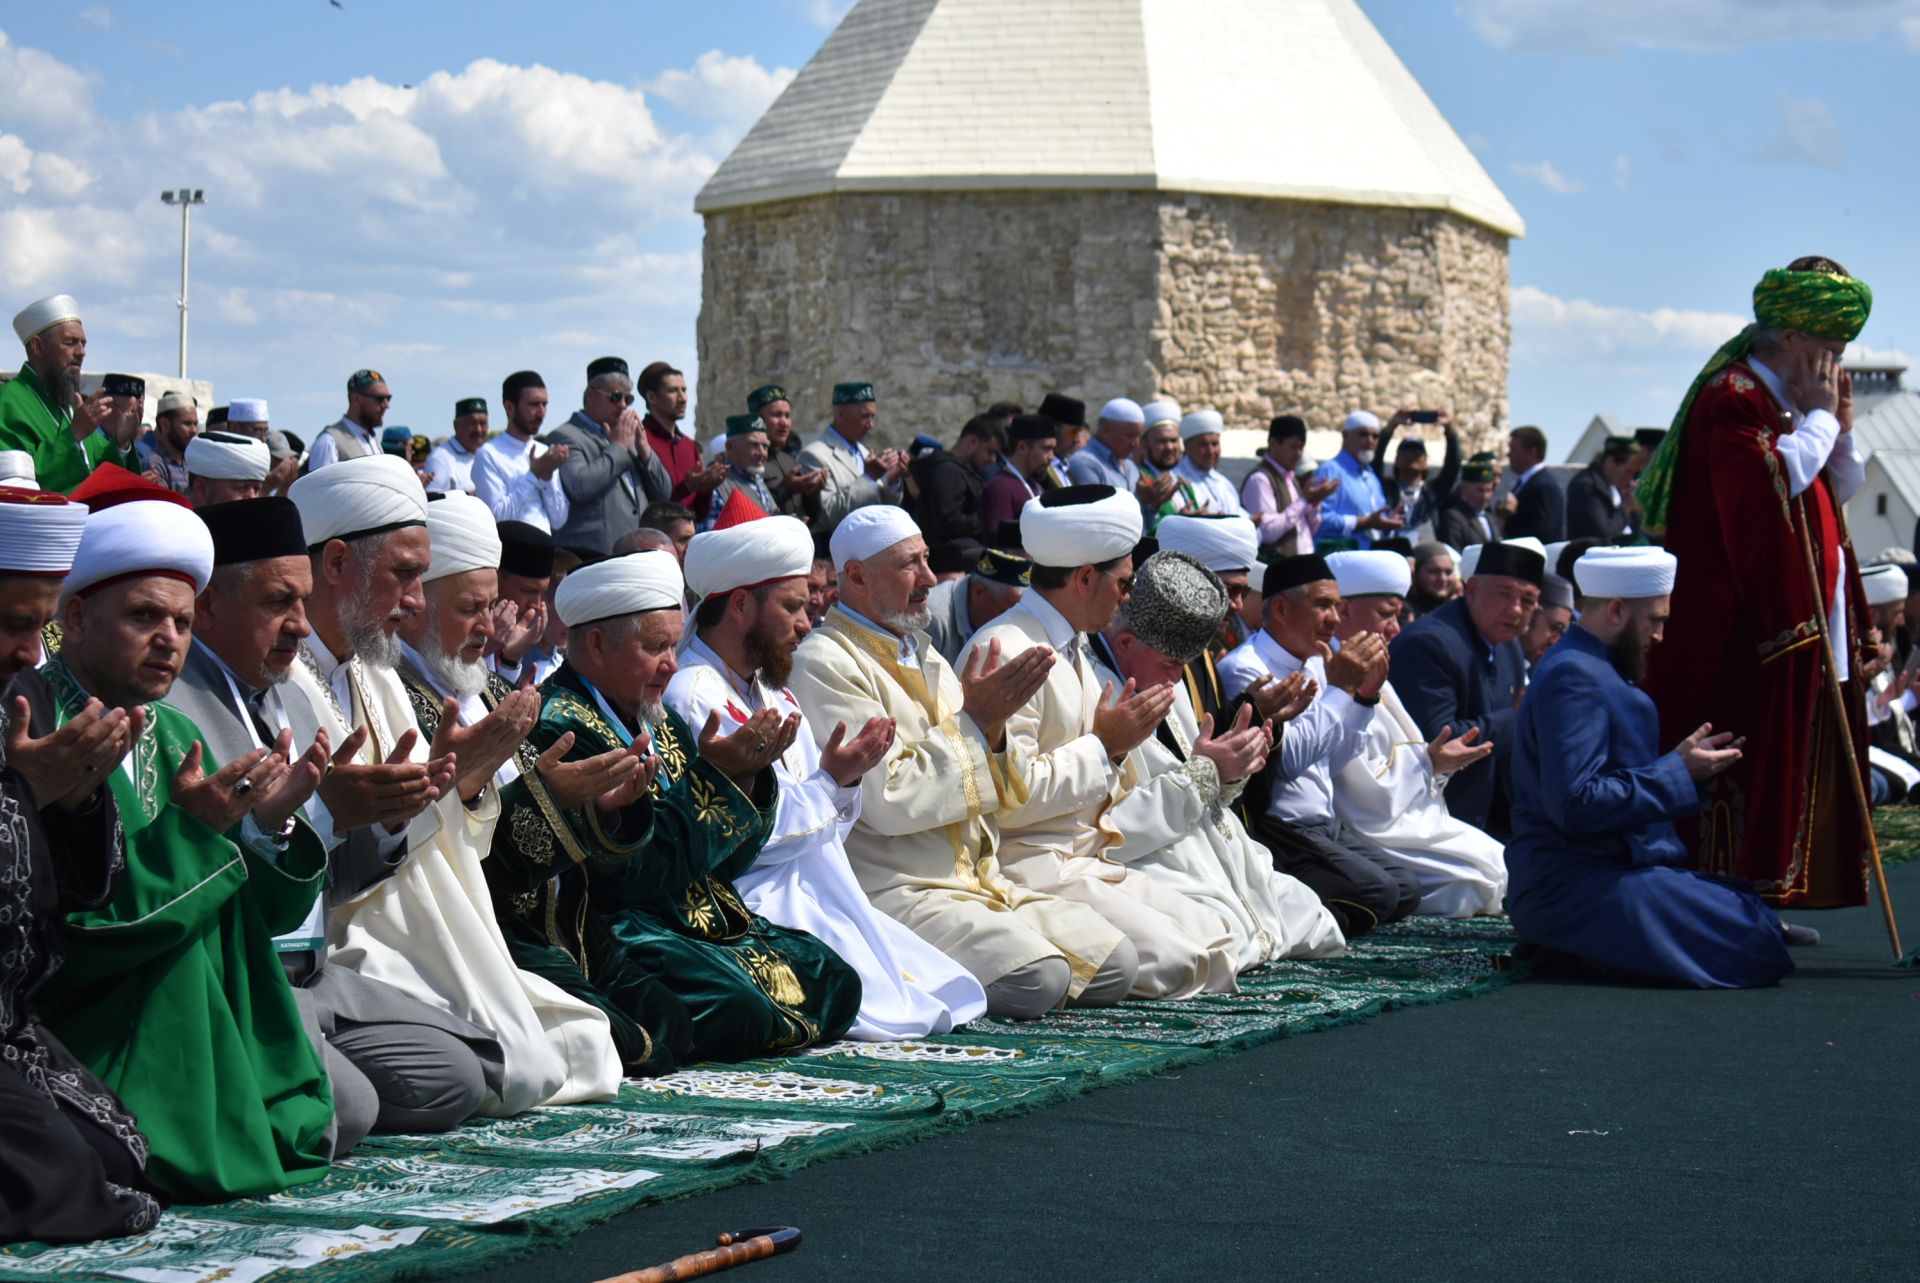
(629, 901)
(42, 411)
(172, 992)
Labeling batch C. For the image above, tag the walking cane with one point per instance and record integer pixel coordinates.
(735, 1248)
(1839, 703)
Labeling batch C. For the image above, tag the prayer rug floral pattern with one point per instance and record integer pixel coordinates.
(420, 1206)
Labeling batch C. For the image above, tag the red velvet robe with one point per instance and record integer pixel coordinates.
(1743, 652)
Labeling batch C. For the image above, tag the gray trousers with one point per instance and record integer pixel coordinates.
(1029, 992)
(391, 1075)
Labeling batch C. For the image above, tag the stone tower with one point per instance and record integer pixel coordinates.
(1247, 204)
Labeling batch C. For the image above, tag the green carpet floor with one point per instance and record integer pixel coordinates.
(414, 1207)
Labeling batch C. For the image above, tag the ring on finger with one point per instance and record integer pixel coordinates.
(243, 788)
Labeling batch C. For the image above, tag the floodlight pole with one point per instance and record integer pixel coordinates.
(186, 198)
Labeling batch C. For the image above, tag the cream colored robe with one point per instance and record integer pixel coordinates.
(1179, 827)
(924, 846)
(1055, 826)
(1389, 792)
(429, 930)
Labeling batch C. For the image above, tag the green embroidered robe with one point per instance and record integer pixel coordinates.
(636, 911)
(172, 993)
(30, 421)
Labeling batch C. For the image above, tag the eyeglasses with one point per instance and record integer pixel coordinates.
(618, 398)
(1124, 581)
(384, 398)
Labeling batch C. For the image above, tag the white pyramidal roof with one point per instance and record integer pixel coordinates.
(1289, 98)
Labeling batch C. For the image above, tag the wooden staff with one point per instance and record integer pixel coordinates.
(1839, 702)
(735, 1248)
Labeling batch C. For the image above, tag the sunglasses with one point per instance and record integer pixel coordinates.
(384, 398)
(618, 398)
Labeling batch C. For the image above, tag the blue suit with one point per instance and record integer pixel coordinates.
(1594, 864)
(1447, 675)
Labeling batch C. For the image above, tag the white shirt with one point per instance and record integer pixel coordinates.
(1313, 745)
(450, 468)
(503, 478)
(324, 449)
(1218, 492)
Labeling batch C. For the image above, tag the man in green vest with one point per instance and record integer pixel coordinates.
(42, 411)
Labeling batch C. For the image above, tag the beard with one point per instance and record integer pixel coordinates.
(769, 655)
(462, 677)
(1364, 456)
(367, 633)
(650, 715)
(65, 386)
(1629, 658)
(907, 621)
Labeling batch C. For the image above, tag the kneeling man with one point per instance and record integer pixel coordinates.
(1595, 861)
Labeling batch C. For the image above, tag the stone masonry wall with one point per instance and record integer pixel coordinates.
(950, 301)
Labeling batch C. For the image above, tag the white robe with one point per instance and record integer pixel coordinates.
(1056, 828)
(801, 878)
(1388, 791)
(429, 929)
(1180, 827)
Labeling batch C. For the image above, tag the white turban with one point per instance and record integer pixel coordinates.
(1553, 555)
(1376, 573)
(1121, 410)
(1201, 422)
(369, 495)
(1155, 413)
(227, 456)
(629, 585)
(44, 315)
(249, 411)
(143, 537)
(39, 532)
(16, 469)
(1218, 543)
(1884, 584)
(1080, 534)
(1605, 573)
(865, 531)
(748, 555)
(1361, 419)
(464, 537)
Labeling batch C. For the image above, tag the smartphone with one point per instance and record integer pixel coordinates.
(1424, 416)
(127, 385)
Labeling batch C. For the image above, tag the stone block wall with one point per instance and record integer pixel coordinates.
(951, 300)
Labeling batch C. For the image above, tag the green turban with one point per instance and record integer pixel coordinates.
(1825, 305)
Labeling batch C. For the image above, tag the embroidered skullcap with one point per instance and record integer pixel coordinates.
(228, 456)
(1008, 568)
(1080, 526)
(605, 365)
(865, 531)
(852, 393)
(629, 585)
(1222, 542)
(1605, 573)
(525, 549)
(1360, 419)
(469, 405)
(1885, 584)
(40, 531)
(172, 401)
(254, 529)
(760, 398)
(1475, 472)
(370, 495)
(1176, 605)
(139, 538)
(463, 536)
(44, 315)
(361, 380)
(1200, 423)
(1158, 412)
(1370, 573)
(748, 555)
(16, 470)
(743, 425)
(1121, 410)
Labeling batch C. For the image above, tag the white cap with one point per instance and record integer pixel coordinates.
(172, 401)
(629, 585)
(1155, 413)
(1605, 573)
(250, 410)
(1080, 532)
(865, 531)
(1220, 543)
(1200, 423)
(1121, 410)
(44, 315)
(1553, 551)
(462, 533)
(142, 537)
(748, 554)
(16, 469)
(227, 456)
(369, 495)
(1885, 584)
(1371, 573)
(1361, 419)
(39, 532)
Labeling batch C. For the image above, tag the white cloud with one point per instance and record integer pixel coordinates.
(1548, 176)
(97, 16)
(717, 87)
(827, 13)
(16, 163)
(38, 89)
(1546, 326)
(1683, 24)
(1806, 133)
(1622, 171)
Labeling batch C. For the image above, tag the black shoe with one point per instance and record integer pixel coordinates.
(1799, 937)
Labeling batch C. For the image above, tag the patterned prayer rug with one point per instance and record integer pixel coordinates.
(421, 1206)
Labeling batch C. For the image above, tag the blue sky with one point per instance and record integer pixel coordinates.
(528, 201)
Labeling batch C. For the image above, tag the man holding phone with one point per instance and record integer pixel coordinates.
(42, 411)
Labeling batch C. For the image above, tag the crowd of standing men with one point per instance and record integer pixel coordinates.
(352, 786)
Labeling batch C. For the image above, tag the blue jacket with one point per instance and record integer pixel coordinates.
(1447, 675)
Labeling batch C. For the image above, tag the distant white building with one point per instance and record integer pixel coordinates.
(1886, 427)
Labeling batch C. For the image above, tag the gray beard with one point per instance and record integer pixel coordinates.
(651, 715)
(457, 675)
(368, 637)
(908, 621)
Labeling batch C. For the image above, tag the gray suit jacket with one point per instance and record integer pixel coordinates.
(848, 485)
(607, 488)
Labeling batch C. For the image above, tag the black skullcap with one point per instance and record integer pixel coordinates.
(1068, 412)
(518, 382)
(606, 365)
(1649, 439)
(1008, 535)
(1031, 427)
(1287, 427)
(525, 549)
(1292, 572)
(1513, 561)
(469, 405)
(216, 417)
(254, 530)
(955, 556)
(1067, 496)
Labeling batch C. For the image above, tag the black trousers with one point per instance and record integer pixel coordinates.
(1361, 882)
